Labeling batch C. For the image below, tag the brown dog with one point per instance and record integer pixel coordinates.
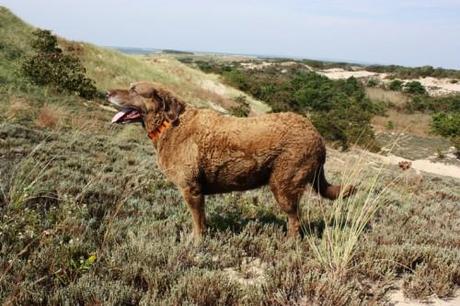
(203, 152)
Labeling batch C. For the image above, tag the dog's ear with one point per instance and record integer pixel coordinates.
(169, 104)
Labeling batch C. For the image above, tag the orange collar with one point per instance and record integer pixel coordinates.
(155, 135)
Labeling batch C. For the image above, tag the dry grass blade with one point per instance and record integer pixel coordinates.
(346, 220)
(25, 183)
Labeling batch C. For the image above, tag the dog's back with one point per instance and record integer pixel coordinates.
(237, 154)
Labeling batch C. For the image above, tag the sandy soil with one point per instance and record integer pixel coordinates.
(421, 165)
(397, 298)
(426, 165)
(439, 87)
(339, 73)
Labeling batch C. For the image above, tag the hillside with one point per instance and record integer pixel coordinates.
(87, 218)
(112, 69)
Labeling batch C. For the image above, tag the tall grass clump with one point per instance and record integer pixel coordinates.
(346, 219)
(26, 182)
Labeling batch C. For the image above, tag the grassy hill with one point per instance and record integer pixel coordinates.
(87, 218)
(112, 69)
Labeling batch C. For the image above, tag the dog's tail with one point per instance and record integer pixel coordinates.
(328, 191)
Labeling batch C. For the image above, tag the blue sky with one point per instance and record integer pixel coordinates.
(406, 32)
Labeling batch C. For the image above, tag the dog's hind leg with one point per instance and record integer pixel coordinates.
(195, 202)
(287, 195)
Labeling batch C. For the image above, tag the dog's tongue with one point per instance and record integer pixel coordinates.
(119, 115)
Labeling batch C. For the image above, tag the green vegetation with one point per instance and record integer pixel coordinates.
(415, 88)
(49, 66)
(448, 125)
(434, 104)
(243, 109)
(372, 83)
(395, 85)
(171, 51)
(390, 125)
(445, 115)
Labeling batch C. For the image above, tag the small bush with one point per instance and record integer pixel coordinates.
(448, 125)
(395, 85)
(372, 83)
(425, 103)
(390, 125)
(243, 109)
(49, 66)
(415, 88)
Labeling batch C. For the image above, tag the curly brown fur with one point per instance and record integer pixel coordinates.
(208, 153)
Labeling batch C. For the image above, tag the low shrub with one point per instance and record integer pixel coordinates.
(242, 109)
(50, 66)
(372, 83)
(395, 85)
(415, 88)
(448, 125)
(424, 103)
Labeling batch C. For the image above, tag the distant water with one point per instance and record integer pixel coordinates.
(129, 50)
(143, 51)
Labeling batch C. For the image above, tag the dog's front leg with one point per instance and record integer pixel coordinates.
(195, 203)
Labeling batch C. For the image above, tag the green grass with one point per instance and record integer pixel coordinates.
(86, 217)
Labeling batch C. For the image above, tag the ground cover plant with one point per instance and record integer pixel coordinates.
(87, 225)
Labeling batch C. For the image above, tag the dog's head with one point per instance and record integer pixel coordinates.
(146, 103)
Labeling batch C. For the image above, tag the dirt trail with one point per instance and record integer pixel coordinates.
(426, 165)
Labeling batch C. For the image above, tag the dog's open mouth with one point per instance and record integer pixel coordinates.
(127, 115)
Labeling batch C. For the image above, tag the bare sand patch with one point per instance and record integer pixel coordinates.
(397, 298)
(339, 73)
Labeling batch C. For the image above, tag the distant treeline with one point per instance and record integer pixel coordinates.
(171, 51)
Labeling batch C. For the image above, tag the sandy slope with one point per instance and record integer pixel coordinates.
(339, 73)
